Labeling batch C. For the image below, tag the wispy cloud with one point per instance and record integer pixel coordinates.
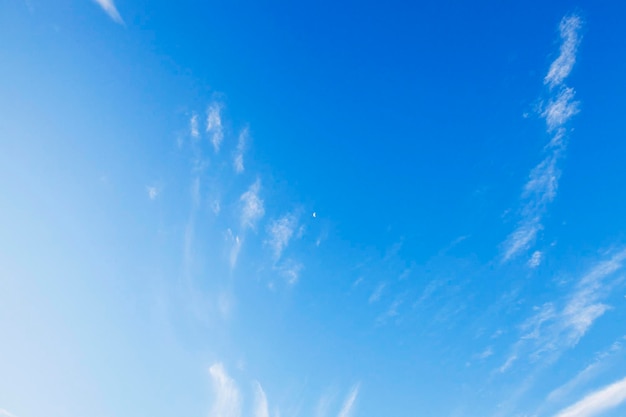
(291, 270)
(540, 190)
(348, 405)
(109, 7)
(597, 402)
(235, 241)
(551, 330)
(261, 408)
(600, 362)
(241, 148)
(214, 127)
(226, 397)
(391, 312)
(153, 192)
(252, 206)
(194, 130)
(377, 293)
(280, 233)
(570, 35)
(535, 259)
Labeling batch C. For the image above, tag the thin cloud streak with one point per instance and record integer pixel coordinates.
(562, 66)
(261, 408)
(348, 405)
(601, 362)
(597, 402)
(194, 130)
(252, 206)
(241, 147)
(552, 330)
(542, 185)
(214, 127)
(109, 8)
(226, 397)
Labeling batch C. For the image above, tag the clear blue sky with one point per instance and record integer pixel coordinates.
(245, 208)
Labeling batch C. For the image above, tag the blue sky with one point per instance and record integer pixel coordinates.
(334, 209)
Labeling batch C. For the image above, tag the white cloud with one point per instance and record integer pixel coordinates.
(540, 190)
(214, 125)
(235, 242)
(5, 413)
(241, 148)
(193, 126)
(252, 210)
(153, 192)
(261, 408)
(561, 67)
(390, 313)
(535, 259)
(348, 405)
(324, 403)
(280, 233)
(109, 7)
(560, 109)
(226, 398)
(508, 363)
(485, 353)
(522, 237)
(597, 402)
(378, 292)
(551, 330)
(601, 362)
(291, 270)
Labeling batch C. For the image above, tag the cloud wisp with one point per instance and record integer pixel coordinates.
(261, 408)
(570, 35)
(541, 188)
(252, 206)
(194, 129)
(553, 328)
(597, 402)
(214, 127)
(348, 405)
(227, 400)
(241, 148)
(280, 232)
(602, 361)
(109, 8)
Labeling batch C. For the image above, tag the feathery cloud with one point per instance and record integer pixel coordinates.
(348, 405)
(214, 125)
(252, 210)
(291, 270)
(602, 361)
(378, 292)
(551, 330)
(261, 408)
(109, 8)
(241, 148)
(597, 402)
(280, 232)
(540, 190)
(570, 36)
(227, 401)
(535, 259)
(193, 126)
(235, 241)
